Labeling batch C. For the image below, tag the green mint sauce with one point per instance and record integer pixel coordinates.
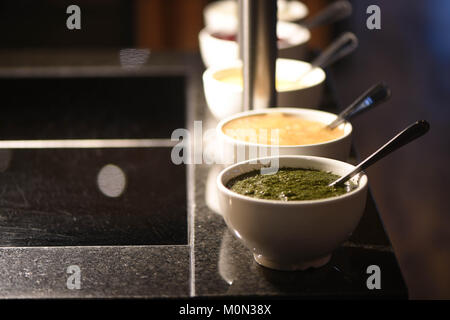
(288, 184)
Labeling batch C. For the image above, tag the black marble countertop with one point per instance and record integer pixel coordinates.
(188, 253)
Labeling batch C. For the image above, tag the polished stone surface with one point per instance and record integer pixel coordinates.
(105, 272)
(94, 196)
(214, 263)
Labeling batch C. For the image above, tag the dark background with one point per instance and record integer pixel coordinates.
(411, 53)
(105, 23)
(92, 107)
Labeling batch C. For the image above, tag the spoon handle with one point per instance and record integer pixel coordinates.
(338, 49)
(334, 12)
(409, 134)
(373, 96)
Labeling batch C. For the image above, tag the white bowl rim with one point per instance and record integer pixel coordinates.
(207, 33)
(208, 75)
(363, 182)
(289, 110)
(215, 5)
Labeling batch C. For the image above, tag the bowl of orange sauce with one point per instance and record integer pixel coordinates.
(282, 131)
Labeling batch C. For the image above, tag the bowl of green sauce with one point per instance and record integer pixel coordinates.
(291, 219)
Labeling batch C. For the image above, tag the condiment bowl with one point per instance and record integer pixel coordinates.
(218, 51)
(225, 99)
(231, 150)
(292, 235)
(223, 15)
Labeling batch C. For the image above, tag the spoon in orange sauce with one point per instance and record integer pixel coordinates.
(373, 96)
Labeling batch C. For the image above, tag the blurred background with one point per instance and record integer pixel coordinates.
(155, 24)
(411, 53)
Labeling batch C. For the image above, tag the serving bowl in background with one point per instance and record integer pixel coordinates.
(224, 91)
(231, 150)
(223, 15)
(219, 47)
(292, 235)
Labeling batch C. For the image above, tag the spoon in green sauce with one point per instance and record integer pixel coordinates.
(409, 134)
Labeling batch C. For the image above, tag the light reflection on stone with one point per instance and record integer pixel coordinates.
(111, 181)
(133, 57)
(212, 192)
(5, 159)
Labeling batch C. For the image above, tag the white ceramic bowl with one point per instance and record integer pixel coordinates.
(231, 150)
(225, 99)
(292, 235)
(223, 15)
(218, 52)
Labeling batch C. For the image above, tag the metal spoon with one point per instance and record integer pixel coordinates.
(409, 134)
(334, 12)
(339, 48)
(375, 95)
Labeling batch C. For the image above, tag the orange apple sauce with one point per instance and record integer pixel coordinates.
(292, 130)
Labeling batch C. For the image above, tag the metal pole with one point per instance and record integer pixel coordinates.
(258, 48)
